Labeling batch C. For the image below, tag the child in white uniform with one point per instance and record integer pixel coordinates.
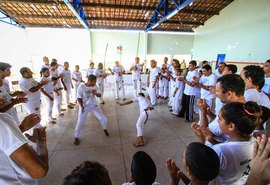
(76, 76)
(57, 94)
(67, 83)
(118, 72)
(31, 88)
(101, 75)
(178, 92)
(163, 84)
(47, 93)
(136, 76)
(91, 69)
(145, 109)
(152, 81)
(86, 96)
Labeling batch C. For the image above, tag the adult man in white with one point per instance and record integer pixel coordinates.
(118, 72)
(207, 80)
(145, 109)
(20, 164)
(189, 92)
(219, 70)
(136, 76)
(266, 87)
(153, 81)
(31, 88)
(87, 93)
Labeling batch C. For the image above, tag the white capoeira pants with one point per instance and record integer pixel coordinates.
(76, 85)
(57, 103)
(163, 91)
(83, 115)
(137, 87)
(49, 107)
(152, 93)
(141, 122)
(171, 91)
(101, 91)
(176, 105)
(33, 107)
(68, 94)
(119, 85)
(210, 104)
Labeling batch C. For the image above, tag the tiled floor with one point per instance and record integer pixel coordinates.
(165, 136)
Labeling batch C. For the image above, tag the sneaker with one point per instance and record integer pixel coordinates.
(77, 141)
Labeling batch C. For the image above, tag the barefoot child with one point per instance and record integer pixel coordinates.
(145, 109)
(67, 83)
(87, 93)
(77, 78)
(101, 75)
(177, 93)
(47, 93)
(57, 94)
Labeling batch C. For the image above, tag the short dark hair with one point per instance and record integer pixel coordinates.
(179, 70)
(268, 61)
(4, 66)
(256, 73)
(141, 94)
(91, 78)
(223, 63)
(232, 82)
(202, 161)
(207, 67)
(53, 63)
(88, 173)
(244, 116)
(23, 70)
(204, 62)
(232, 68)
(193, 62)
(44, 69)
(143, 169)
(54, 78)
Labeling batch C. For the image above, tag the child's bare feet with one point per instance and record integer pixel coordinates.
(52, 122)
(106, 132)
(77, 141)
(139, 142)
(70, 107)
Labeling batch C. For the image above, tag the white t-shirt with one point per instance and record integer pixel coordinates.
(11, 139)
(26, 84)
(56, 75)
(189, 90)
(6, 85)
(136, 74)
(208, 81)
(118, 73)
(90, 71)
(154, 73)
(144, 103)
(180, 85)
(234, 161)
(164, 82)
(266, 87)
(77, 75)
(217, 74)
(48, 88)
(133, 183)
(45, 66)
(67, 78)
(218, 106)
(252, 95)
(215, 129)
(5, 95)
(264, 100)
(97, 73)
(88, 98)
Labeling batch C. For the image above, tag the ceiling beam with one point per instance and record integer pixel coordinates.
(103, 19)
(126, 7)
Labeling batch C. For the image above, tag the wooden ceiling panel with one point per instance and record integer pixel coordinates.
(110, 14)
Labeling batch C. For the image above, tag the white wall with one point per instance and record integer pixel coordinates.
(241, 31)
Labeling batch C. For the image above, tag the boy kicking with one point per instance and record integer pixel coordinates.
(145, 109)
(86, 96)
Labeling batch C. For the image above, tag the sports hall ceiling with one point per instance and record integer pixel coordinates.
(111, 14)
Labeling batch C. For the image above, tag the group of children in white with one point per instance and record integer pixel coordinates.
(241, 107)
